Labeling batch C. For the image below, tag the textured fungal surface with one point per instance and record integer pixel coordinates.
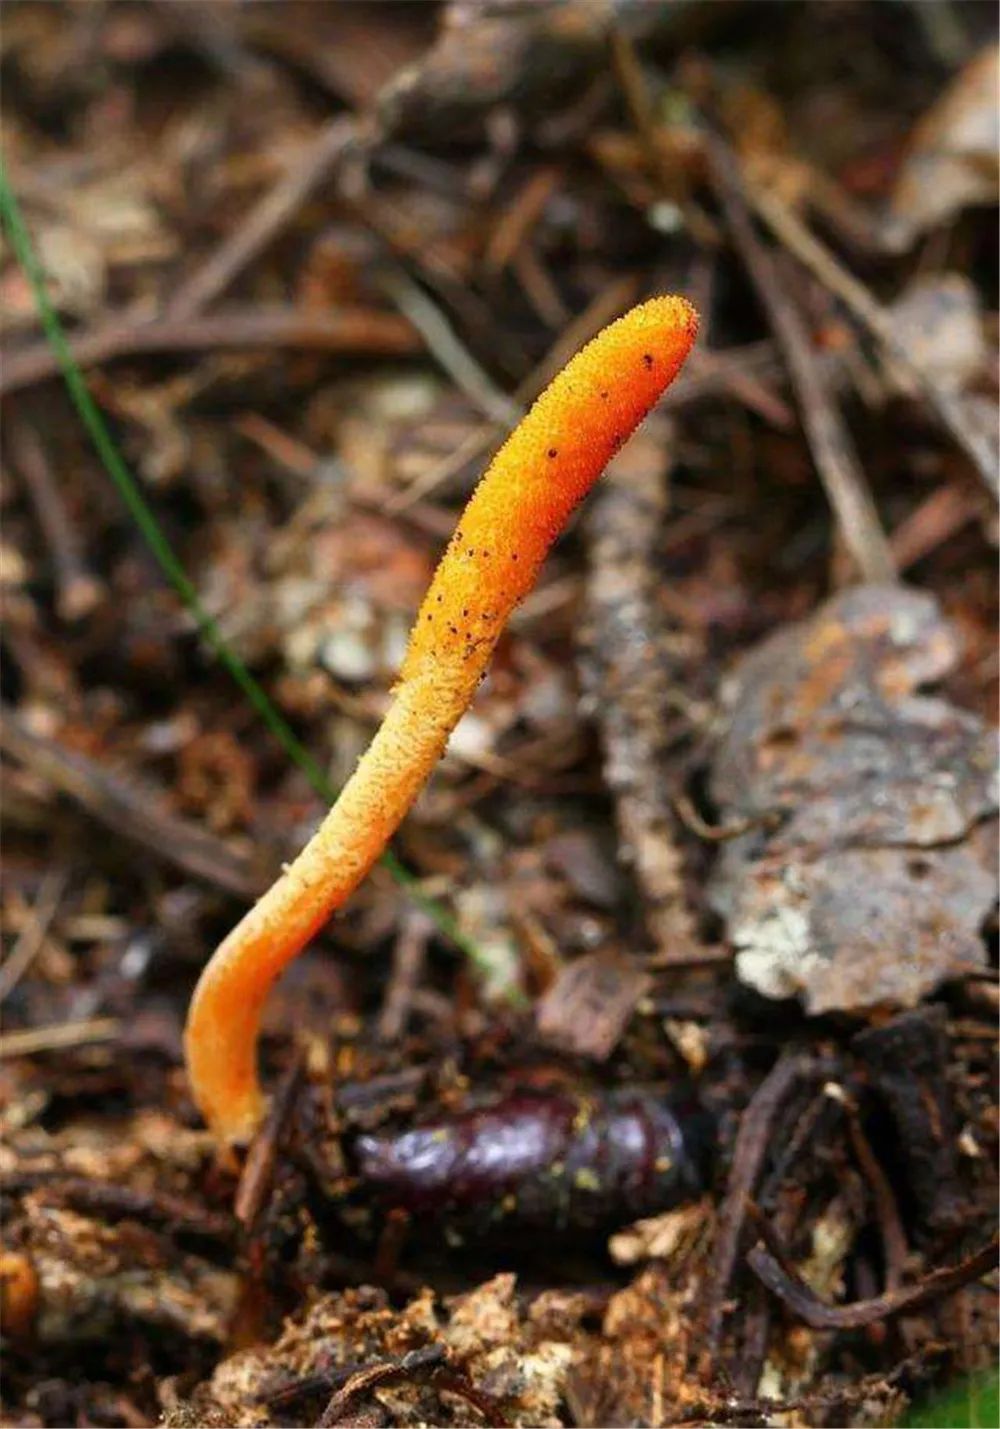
(539, 476)
(529, 491)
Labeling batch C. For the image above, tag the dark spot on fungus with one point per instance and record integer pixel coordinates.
(647, 361)
(552, 452)
(514, 556)
(222, 1026)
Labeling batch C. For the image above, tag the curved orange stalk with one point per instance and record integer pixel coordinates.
(531, 487)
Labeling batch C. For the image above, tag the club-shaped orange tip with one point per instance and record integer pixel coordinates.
(537, 478)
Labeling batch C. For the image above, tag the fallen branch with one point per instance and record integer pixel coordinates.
(625, 670)
(345, 330)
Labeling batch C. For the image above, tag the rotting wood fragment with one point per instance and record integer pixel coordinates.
(625, 659)
(907, 1060)
(873, 888)
(427, 1363)
(587, 1008)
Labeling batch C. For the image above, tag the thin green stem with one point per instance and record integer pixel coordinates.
(140, 511)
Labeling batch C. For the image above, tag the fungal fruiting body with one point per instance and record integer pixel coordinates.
(522, 502)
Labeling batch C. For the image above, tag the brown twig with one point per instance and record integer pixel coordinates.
(717, 833)
(724, 371)
(706, 365)
(32, 935)
(29, 1041)
(789, 229)
(130, 812)
(444, 345)
(813, 1118)
(833, 451)
(459, 1384)
(730, 370)
(77, 590)
(773, 1266)
(344, 330)
(362, 1382)
(265, 221)
(540, 287)
(894, 1246)
(628, 72)
(608, 304)
(753, 1142)
(112, 1202)
(519, 217)
(408, 959)
(939, 516)
(258, 1169)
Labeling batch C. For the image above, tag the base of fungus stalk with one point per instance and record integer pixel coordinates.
(223, 1072)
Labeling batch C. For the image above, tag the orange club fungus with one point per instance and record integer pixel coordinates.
(522, 502)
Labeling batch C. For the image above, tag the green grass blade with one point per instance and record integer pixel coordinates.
(974, 1404)
(114, 464)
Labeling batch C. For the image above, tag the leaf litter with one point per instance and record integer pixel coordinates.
(311, 257)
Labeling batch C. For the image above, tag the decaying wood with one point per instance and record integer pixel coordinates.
(872, 883)
(630, 679)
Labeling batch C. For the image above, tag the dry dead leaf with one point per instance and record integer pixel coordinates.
(938, 321)
(674, 1234)
(590, 1003)
(952, 157)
